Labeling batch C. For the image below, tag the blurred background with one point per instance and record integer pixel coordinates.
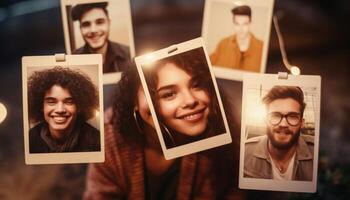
(316, 34)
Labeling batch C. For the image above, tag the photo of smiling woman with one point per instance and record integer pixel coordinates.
(135, 166)
(184, 98)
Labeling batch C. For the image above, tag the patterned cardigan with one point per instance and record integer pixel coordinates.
(121, 176)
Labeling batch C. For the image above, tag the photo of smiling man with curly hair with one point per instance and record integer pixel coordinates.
(60, 101)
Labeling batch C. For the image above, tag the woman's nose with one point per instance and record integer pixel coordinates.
(189, 100)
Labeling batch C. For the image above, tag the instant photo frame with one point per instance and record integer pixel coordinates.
(220, 36)
(120, 27)
(144, 62)
(91, 66)
(255, 87)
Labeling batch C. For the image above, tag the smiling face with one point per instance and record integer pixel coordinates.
(283, 135)
(183, 102)
(60, 111)
(242, 26)
(94, 26)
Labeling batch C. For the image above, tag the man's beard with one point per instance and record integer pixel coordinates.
(283, 146)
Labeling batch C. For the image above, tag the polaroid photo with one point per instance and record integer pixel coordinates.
(62, 101)
(236, 35)
(183, 97)
(99, 27)
(280, 132)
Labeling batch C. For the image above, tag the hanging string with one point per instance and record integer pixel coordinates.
(293, 69)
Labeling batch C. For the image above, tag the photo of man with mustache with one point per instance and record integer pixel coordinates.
(284, 153)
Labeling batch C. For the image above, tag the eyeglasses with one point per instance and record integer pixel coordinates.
(292, 118)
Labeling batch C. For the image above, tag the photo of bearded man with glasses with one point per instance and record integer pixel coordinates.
(284, 153)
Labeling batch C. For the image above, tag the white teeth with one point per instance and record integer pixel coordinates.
(192, 117)
(59, 119)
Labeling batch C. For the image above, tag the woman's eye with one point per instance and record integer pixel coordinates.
(196, 84)
(167, 95)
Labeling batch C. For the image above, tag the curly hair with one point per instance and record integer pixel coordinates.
(194, 63)
(79, 85)
(124, 104)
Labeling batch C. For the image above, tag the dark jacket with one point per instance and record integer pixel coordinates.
(117, 58)
(87, 140)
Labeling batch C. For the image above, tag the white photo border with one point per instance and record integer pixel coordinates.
(64, 157)
(214, 141)
(67, 36)
(222, 72)
(112, 78)
(270, 80)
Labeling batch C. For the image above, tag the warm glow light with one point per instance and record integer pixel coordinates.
(295, 70)
(149, 59)
(238, 3)
(256, 114)
(3, 112)
(149, 56)
(260, 113)
(97, 113)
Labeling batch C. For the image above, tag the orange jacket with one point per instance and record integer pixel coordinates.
(227, 54)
